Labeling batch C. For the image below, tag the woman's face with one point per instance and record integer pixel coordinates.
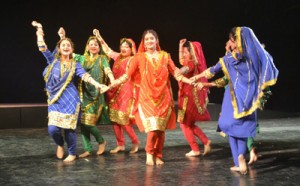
(186, 54)
(150, 41)
(231, 45)
(93, 47)
(65, 48)
(125, 49)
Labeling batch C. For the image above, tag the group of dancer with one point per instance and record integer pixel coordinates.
(138, 91)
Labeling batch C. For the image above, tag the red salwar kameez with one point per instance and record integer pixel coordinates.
(123, 100)
(192, 103)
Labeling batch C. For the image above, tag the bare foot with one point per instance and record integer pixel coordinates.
(85, 154)
(101, 148)
(193, 153)
(253, 156)
(149, 159)
(222, 134)
(70, 158)
(235, 168)
(134, 148)
(242, 164)
(117, 149)
(158, 161)
(60, 152)
(207, 148)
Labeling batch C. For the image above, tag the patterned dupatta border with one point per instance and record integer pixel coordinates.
(255, 105)
(68, 80)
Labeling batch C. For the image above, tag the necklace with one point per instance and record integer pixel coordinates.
(154, 56)
(64, 66)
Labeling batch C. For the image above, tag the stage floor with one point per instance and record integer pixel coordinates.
(27, 157)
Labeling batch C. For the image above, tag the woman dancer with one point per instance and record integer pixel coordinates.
(249, 69)
(155, 105)
(63, 97)
(122, 100)
(192, 103)
(94, 109)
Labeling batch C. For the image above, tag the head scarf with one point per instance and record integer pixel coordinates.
(250, 75)
(198, 56)
(86, 51)
(129, 40)
(142, 43)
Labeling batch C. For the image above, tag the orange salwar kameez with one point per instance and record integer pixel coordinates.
(155, 104)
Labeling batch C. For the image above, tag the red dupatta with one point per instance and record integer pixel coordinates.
(198, 58)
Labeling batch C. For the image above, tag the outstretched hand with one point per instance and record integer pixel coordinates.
(193, 79)
(114, 83)
(199, 86)
(177, 72)
(103, 88)
(36, 24)
(96, 32)
(62, 33)
(39, 28)
(182, 41)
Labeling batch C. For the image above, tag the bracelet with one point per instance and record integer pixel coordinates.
(123, 78)
(179, 78)
(86, 77)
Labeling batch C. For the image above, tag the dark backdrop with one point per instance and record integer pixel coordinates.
(276, 23)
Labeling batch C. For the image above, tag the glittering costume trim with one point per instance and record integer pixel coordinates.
(119, 117)
(208, 74)
(68, 80)
(154, 123)
(91, 119)
(181, 112)
(62, 120)
(256, 104)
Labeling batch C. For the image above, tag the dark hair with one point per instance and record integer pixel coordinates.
(68, 39)
(98, 42)
(187, 44)
(59, 43)
(150, 31)
(94, 38)
(125, 40)
(232, 33)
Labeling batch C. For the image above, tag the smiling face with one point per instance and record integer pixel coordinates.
(93, 47)
(65, 47)
(150, 41)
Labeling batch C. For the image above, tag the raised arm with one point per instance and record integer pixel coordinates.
(108, 51)
(62, 33)
(181, 42)
(41, 43)
(40, 36)
(177, 74)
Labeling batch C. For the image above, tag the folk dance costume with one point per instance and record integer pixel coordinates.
(249, 72)
(63, 98)
(94, 109)
(123, 100)
(192, 103)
